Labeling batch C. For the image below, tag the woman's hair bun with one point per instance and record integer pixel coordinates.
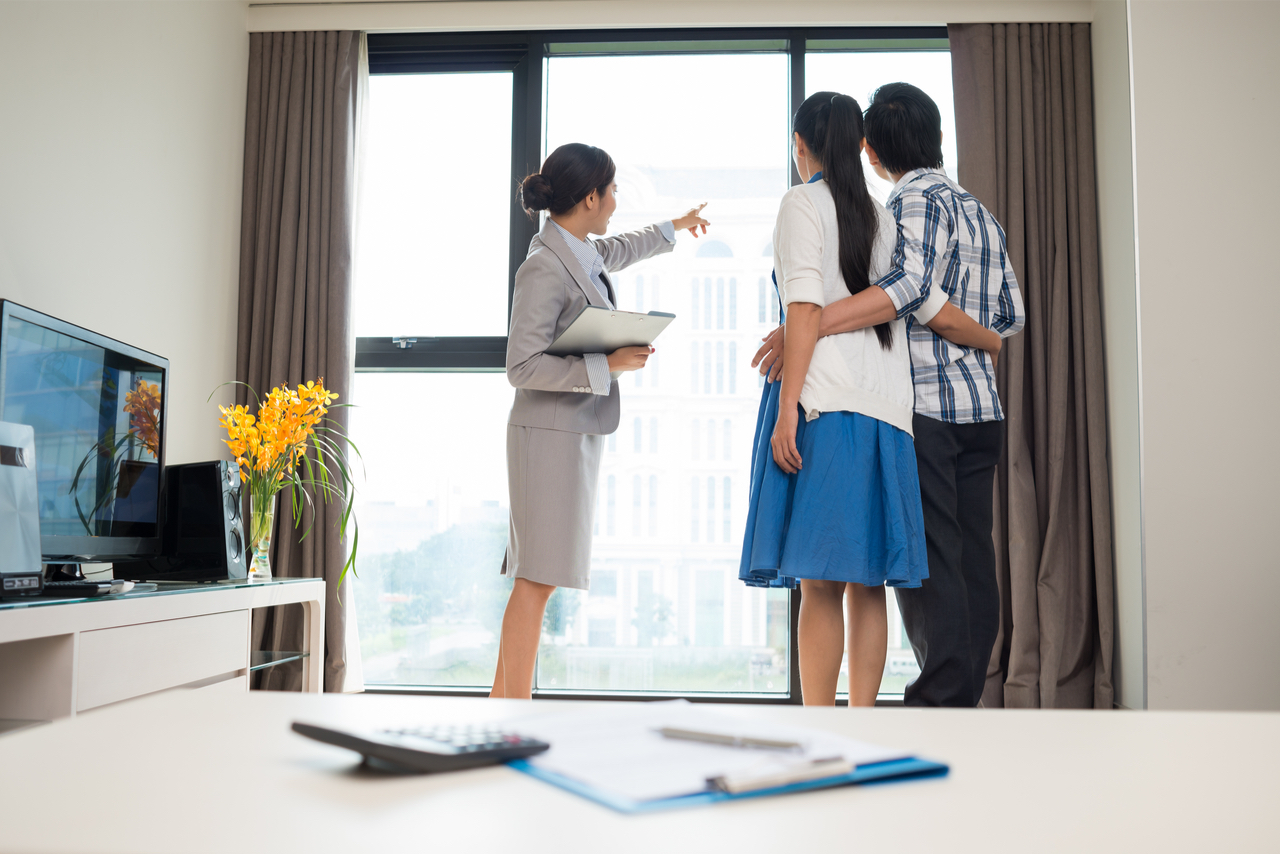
(536, 193)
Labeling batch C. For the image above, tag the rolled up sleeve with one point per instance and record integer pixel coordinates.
(1010, 316)
(923, 232)
(798, 238)
(933, 304)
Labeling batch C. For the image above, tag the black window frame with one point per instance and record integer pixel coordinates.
(524, 54)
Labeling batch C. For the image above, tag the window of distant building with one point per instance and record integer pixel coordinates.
(715, 249)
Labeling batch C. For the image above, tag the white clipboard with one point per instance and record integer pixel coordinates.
(603, 330)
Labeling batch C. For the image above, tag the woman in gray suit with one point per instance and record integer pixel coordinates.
(564, 405)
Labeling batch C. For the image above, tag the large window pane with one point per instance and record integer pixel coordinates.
(435, 206)
(859, 73)
(672, 614)
(433, 518)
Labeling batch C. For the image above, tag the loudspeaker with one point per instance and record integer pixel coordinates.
(202, 530)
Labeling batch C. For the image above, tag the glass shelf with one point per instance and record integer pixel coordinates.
(261, 660)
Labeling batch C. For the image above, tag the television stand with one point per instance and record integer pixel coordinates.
(60, 657)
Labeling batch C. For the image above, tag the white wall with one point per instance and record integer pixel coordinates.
(121, 139)
(1206, 126)
(1114, 148)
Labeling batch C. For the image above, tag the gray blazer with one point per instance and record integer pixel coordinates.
(551, 289)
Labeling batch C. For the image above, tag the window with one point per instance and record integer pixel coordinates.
(612, 498)
(706, 367)
(711, 509)
(719, 367)
(693, 488)
(635, 506)
(432, 531)
(710, 604)
(653, 505)
(664, 612)
(693, 367)
(405, 245)
(728, 507)
(733, 367)
(605, 583)
(715, 249)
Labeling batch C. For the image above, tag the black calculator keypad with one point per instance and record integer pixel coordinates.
(433, 748)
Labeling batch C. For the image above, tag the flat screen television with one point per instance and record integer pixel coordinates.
(98, 407)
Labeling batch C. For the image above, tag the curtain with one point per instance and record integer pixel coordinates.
(296, 243)
(1024, 125)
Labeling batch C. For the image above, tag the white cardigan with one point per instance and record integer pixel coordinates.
(849, 372)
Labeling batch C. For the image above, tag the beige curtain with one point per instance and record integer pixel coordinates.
(295, 286)
(1024, 124)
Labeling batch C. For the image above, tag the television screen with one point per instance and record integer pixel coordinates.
(97, 411)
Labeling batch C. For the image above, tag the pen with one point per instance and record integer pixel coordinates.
(728, 740)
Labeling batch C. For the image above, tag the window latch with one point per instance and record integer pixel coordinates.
(404, 343)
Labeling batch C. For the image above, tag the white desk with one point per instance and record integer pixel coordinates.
(61, 657)
(222, 773)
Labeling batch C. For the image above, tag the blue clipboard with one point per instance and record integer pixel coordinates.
(876, 772)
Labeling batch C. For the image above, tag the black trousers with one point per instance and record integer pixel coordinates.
(952, 619)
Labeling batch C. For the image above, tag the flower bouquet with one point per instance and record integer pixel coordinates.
(290, 444)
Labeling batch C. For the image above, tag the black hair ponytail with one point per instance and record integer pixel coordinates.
(831, 125)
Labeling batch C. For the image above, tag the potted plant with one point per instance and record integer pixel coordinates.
(289, 444)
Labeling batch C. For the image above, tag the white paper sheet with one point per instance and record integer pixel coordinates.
(617, 748)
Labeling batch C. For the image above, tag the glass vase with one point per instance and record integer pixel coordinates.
(262, 518)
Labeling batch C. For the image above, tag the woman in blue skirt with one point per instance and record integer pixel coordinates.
(835, 498)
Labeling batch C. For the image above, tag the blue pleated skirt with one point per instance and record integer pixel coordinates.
(852, 512)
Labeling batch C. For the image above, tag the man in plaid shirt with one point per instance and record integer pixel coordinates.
(948, 244)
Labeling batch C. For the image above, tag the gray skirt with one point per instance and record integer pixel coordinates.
(552, 476)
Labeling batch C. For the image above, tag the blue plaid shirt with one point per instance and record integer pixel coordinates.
(948, 240)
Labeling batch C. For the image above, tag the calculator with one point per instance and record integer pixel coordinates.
(428, 749)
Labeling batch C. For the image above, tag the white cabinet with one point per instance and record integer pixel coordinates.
(58, 658)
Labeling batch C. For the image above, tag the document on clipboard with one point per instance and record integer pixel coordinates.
(645, 758)
(603, 330)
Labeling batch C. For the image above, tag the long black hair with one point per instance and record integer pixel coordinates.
(831, 125)
(567, 176)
